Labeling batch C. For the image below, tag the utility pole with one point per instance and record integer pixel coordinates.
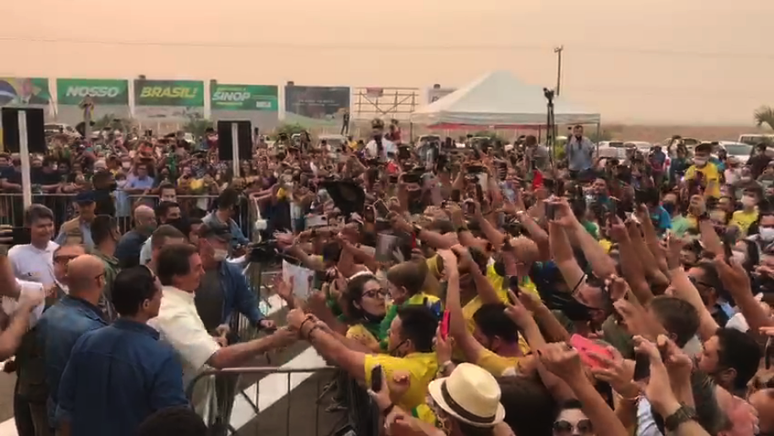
(558, 51)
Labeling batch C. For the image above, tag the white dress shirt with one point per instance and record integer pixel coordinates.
(180, 325)
(387, 147)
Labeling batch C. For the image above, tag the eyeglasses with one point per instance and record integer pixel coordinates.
(583, 426)
(375, 293)
(64, 260)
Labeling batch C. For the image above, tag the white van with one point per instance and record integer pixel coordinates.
(756, 138)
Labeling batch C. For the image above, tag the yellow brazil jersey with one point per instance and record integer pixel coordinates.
(711, 178)
(606, 245)
(422, 368)
(361, 334)
(744, 220)
(424, 413)
(496, 364)
(497, 282)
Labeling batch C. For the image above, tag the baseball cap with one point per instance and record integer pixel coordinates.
(85, 197)
(210, 230)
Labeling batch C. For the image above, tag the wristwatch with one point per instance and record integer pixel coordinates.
(680, 417)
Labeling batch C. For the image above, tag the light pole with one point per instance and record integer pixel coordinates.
(558, 51)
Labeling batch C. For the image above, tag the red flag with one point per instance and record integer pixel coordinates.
(537, 181)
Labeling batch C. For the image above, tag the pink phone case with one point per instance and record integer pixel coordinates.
(585, 347)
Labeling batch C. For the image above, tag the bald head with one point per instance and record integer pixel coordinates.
(85, 275)
(144, 218)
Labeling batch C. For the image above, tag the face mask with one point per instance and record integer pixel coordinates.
(739, 256)
(126, 165)
(699, 161)
(748, 201)
(767, 234)
(219, 254)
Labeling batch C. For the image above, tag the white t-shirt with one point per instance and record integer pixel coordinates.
(179, 324)
(387, 147)
(33, 264)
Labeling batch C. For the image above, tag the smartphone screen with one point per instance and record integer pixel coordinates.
(550, 211)
(376, 378)
(641, 367)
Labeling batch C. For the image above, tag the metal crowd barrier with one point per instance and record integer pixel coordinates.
(12, 208)
(221, 425)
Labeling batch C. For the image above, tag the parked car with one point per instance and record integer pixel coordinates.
(738, 150)
(611, 149)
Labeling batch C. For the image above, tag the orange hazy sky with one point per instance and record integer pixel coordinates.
(648, 61)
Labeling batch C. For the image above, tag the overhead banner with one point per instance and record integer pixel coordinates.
(316, 104)
(21, 91)
(435, 94)
(71, 92)
(243, 97)
(171, 99)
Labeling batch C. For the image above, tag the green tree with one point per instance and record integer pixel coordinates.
(197, 125)
(289, 129)
(765, 115)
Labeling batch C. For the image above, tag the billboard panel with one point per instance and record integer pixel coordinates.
(243, 97)
(110, 97)
(168, 99)
(316, 104)
(434, 94)
(71, 92)
(23, 91)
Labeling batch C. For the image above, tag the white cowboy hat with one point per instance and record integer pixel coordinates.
(470, 394)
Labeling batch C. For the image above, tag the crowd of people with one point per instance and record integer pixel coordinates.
(495, 289)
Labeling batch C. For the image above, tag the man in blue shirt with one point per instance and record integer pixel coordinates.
(64, 323)
(140, 183)
(120, 375)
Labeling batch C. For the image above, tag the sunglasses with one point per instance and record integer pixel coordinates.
(583, 426)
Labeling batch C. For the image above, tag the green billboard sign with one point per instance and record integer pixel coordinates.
(244, 97)
(71, 92)
(185, 93)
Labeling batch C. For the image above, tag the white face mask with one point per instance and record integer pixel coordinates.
(219, 254)
(767, 234)
(126, 165)
(739, 257)
(700, 161)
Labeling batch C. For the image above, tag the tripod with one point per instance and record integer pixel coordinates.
(550, 124)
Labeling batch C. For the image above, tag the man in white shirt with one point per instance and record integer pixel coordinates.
(179, 269)
(379, 147)
(34, 262)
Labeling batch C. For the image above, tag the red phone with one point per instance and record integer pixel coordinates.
(445, 325)
(585, 347)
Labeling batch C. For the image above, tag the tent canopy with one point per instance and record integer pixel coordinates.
(499, 99)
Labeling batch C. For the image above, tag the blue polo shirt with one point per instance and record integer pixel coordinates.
(59, 329)
(117, 377)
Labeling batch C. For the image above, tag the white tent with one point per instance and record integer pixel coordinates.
(499, 99)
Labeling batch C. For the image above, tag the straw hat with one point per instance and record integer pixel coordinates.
(470, 394)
